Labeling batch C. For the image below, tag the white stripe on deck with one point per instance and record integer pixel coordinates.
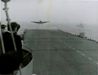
(83, 54)
(90, 58)
(97, 63)
(78, 51)
(34, 74)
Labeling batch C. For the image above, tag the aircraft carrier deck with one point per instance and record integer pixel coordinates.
(60, 53)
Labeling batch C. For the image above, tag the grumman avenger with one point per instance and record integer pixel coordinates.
(40, 22)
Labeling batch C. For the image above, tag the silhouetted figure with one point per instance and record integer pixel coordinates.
(3, 26)
(11, 60)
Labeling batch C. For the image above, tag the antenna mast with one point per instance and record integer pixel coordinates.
(6, 10)
(8, 21)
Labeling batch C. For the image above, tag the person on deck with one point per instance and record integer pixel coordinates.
(11, 60)
(3, 27)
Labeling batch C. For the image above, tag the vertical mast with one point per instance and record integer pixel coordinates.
(1, 40)
(8, 21)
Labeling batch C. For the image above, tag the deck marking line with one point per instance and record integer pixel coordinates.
(83, 54)
(34, 74)
(90, 58)
(97, 63)
(78, 51)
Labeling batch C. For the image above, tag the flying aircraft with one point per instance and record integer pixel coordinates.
(40, 22)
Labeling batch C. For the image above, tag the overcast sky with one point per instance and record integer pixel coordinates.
(57, 12)
(61, 11)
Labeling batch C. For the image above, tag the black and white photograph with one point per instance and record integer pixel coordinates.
(48, 37)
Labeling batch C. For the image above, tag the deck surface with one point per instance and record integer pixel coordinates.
(60, 53)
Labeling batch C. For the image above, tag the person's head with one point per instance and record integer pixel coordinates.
(14, 26)
(3, 26)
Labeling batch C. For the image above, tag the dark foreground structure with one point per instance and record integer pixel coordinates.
(59, 53)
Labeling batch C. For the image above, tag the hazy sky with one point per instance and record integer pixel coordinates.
(59, 11)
